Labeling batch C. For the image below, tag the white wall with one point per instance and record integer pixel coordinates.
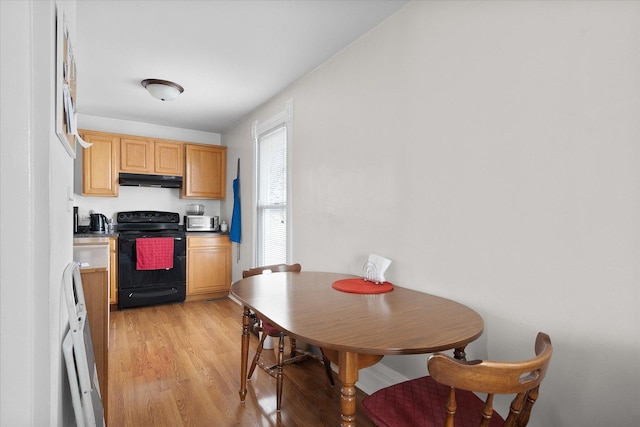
(35, 219)
(490, 149)
(139, 198)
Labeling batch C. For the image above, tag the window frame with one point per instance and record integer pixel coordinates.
(283, 118)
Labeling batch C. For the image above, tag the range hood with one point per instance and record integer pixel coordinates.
(143, 180)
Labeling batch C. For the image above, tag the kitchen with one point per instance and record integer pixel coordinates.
(492, 144)
(157, 255)
(165, 196)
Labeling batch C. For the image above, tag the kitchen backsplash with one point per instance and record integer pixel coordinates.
(138, 199)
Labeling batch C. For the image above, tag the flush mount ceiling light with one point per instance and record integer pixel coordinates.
(163, 90)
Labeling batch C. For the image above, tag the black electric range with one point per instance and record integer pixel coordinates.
(141, 281)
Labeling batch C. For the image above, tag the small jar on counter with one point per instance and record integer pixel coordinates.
(223, 227)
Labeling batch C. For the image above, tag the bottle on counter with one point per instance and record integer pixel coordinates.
(223, 227)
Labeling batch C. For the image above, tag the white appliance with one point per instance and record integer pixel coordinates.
(201, 223)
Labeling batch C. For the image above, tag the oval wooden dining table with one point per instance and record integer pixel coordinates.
(354, 330)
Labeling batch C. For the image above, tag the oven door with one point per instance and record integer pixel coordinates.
(146, 287)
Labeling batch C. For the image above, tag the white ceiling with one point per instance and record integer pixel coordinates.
(230, 56)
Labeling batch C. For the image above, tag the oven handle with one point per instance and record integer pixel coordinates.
(153, 294)
(134, 238)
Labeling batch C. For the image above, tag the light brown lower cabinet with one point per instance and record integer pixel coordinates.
(113, 271)
(95, 284)
(208, 266)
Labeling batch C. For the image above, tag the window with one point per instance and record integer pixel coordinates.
(272, 190)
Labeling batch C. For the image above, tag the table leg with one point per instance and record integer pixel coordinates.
(459, 353)
(348, 374)
(244, 353)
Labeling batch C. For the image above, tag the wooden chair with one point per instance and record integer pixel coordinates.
(447, 398)
(268, 329)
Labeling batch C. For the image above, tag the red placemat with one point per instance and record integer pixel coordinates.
(361, 286)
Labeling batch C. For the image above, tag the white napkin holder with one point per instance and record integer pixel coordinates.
(373, 270)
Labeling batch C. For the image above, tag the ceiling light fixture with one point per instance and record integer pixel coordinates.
(163, 90)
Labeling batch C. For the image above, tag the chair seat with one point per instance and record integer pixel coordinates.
(421, 403)
(269, 329)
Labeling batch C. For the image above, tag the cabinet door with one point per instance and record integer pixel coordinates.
(208, 265)
(113, 270)
(96, 294)
(205, 171)
(136, 155)
(100, 165)
(168, 158)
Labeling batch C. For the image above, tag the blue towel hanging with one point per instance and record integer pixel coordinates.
(235, 233)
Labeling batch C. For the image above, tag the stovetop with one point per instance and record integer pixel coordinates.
(147, 217)
(129, 221)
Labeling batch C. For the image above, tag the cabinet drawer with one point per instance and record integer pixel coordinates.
(208, 241)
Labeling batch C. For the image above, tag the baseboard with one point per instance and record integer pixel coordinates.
(378, 376)
(234, 299)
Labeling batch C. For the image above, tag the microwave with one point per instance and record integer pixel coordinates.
(201, 223)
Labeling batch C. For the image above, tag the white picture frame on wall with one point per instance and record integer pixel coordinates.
(65, 68)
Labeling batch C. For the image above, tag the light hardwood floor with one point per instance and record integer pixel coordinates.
(179, 365)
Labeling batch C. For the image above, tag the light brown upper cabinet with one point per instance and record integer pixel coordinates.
(205, 171)
(203, 167)
(100, 164)
(140, 155)
(169, 159)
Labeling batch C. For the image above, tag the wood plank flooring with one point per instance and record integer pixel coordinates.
(179, 365)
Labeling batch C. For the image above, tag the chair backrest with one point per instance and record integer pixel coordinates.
(520, 378)
(275, 268)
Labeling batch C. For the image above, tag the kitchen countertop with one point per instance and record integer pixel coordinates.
(85, 236)
(90, 235)
(206, 233)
